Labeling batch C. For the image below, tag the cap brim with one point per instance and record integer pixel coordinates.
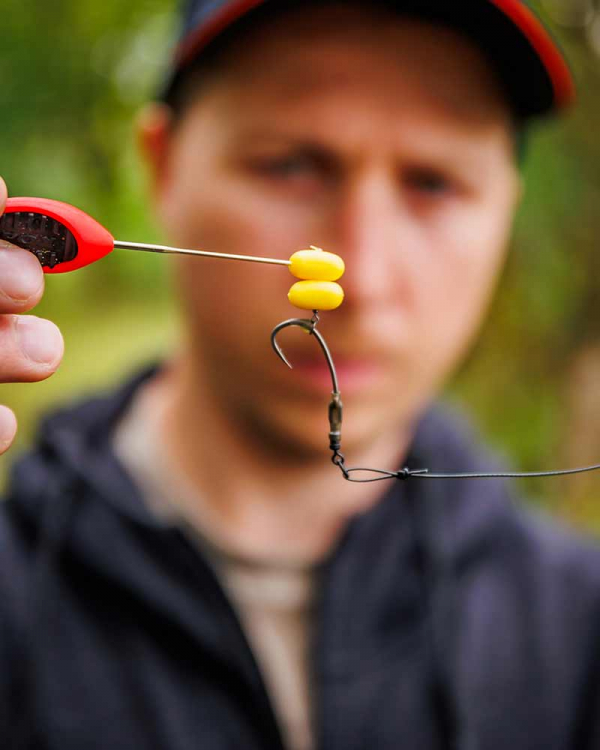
(530, 63)
(545, 48)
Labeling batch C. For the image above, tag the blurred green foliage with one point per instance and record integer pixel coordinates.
(74, 74)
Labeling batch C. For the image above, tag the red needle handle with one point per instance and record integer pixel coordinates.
(62, 237)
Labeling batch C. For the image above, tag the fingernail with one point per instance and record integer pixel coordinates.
(39, 340)
(20, 273)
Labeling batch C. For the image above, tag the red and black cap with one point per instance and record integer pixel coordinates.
(529, 62)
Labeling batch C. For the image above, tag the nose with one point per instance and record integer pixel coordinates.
(369, 231)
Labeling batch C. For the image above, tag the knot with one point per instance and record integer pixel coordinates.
(407, 473)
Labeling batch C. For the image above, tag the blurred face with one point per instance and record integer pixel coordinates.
(382, 139)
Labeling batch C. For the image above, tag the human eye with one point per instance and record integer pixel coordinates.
(287, 166)
(429, 182)
(301, 168)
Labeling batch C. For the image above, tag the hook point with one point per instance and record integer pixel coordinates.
(278, 350)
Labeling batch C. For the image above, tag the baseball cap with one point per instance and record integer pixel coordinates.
(535, 74)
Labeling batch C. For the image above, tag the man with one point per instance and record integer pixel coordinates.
(180, 565)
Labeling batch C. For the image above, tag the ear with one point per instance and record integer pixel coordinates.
(154, 127)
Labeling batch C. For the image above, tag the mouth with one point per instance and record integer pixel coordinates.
(355, 374)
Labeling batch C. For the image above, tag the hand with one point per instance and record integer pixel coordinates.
(30, 348)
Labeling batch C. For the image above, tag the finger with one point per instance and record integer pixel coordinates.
(31, 348)
(21, 279)
(8, 428)
(3, 195)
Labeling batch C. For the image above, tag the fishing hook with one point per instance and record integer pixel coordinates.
(335, 426)
(335, 405)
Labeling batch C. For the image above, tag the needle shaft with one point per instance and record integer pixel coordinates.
(202, 253)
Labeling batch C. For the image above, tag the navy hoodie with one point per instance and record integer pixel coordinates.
(446, 617)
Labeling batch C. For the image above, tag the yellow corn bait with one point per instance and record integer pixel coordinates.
(316, 264)
(316, 295)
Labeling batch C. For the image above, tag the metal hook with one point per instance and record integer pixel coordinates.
(335, 405)
(367, 475)
(311, 327)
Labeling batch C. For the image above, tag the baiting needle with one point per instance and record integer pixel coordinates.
(201, 253)
(64, 238)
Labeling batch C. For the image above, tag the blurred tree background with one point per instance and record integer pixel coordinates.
(74, 75)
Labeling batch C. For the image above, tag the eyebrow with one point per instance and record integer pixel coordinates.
(258, 137)
(452, 152)
(265, 136)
